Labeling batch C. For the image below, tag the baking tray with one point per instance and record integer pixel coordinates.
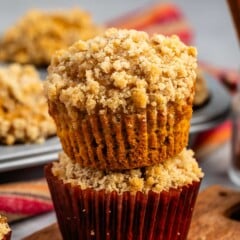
(214, 112)
(28, 155)
(26, 150)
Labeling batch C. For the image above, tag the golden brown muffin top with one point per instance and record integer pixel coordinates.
(4, 228)
(173, 173)
(123, 70)
(23, 107)
(38, 34)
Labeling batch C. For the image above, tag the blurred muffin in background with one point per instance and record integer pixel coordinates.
(201, 90)
(23, 107)
(5, 231)
(38, 34)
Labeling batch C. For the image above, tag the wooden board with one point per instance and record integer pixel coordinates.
(211, 218)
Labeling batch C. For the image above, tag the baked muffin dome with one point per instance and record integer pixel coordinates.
(124, 99)
(125, 70)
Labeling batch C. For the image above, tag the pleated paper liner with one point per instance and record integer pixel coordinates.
(89, 214)
(122, 141)
(7, 236)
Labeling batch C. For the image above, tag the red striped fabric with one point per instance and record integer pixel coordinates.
(24, 199)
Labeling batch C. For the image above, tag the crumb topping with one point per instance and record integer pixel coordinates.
(123, 70)
(38, 34)
(4, 228)
(23, 107)
(173, 173)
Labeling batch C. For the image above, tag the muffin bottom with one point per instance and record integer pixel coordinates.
(122, 141)
(91, 214)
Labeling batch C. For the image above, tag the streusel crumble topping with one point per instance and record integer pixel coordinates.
(38, 34)
(23, 107)
(123, 70)
(172, 173)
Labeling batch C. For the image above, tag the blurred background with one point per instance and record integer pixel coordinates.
(211, 22)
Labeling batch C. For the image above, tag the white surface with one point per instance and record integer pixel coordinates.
(216, 42)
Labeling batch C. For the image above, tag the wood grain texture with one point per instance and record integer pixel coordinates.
(210, 221)
(49, 233)
(211, 216)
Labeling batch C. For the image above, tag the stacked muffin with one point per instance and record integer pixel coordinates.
(5, 231)
(122, 103)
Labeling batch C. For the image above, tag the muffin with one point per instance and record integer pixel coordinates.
(154, 202)
(122, 100)
(201, 91)
(38, 34)
(5, 231)
(23, 106)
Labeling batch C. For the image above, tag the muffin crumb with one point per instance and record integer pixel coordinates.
(173, 173)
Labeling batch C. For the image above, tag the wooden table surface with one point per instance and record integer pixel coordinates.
(216, 216)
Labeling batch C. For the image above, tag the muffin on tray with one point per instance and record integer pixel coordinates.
(23, 107)
(201, 90)
(5, 231)
(149, 203)
(122, 100)
(38, 34)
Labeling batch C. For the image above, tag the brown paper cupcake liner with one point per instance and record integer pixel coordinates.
(89, 214)
(121, 141)
(7, 236)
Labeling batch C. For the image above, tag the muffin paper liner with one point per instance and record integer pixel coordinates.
(7, 236)
(122, 141)
(90, 214)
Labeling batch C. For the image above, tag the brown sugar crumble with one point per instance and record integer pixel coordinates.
(123, 70)
(172, 173)
(4, 228)
(38, 34)
(23, 107)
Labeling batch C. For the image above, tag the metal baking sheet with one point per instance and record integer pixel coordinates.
(26, 150)
(19, 163)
